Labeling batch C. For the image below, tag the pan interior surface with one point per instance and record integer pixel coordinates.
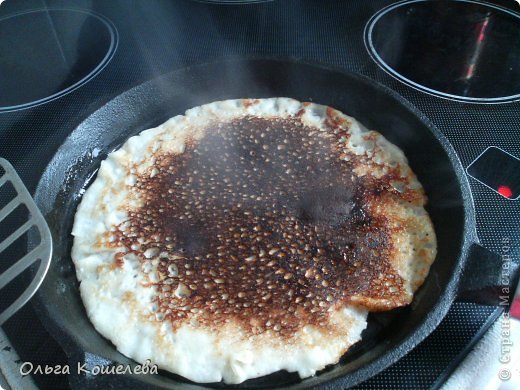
(388, 336)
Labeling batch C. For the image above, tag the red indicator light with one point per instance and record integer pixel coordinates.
(505, 191)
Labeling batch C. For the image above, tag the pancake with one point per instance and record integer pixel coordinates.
(249, 236)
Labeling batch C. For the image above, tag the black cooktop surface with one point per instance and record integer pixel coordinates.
(467, 50)
(61, 60)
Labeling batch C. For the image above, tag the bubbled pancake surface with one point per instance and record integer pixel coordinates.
(249, 236)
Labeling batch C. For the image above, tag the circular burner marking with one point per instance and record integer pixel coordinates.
(48, 53)
(463, 50)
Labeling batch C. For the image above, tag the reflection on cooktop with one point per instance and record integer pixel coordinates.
(232, 1)
(48, 53)
(460, 49)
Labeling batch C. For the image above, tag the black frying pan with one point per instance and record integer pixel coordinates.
(462, 268)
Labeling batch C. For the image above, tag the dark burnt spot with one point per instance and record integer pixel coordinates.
(259, 220)
(327, 205)
(190, 238)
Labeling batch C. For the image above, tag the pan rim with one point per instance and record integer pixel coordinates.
(445, 300)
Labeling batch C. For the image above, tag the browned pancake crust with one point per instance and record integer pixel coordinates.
(262, 221)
